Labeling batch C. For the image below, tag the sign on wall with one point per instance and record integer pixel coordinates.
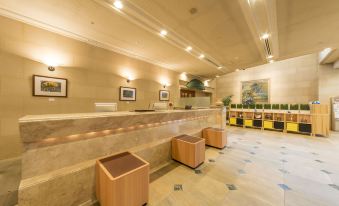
(255, 91)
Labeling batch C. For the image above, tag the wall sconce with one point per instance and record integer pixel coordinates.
(128, 80)
(51, 68)
(164, 86)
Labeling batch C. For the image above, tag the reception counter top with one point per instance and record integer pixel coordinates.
(61, 149)
(35, 128)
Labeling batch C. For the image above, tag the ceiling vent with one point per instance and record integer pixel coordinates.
(267, 47)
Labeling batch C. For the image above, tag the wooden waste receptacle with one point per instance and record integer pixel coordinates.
(122, 179)
(188, 150)
(215, 137)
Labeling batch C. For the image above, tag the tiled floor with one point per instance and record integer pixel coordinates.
(257, 168)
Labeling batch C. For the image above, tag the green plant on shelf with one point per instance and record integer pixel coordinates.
(245, 106)
(267, 106)
(252, 106)
(258, 106)
(294, 106)
(284, 106)
(305, 107)
(239, 106)
(227, 100)
(275, 106)
(233, 106)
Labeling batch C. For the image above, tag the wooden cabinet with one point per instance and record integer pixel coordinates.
(122, 179)
(320, 119)
(188, 150)
(215, 137)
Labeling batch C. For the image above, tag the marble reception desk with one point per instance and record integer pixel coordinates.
(61, 149)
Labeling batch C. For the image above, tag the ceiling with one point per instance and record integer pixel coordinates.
(227, 32)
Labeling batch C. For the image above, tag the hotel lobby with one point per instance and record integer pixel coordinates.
(169, 103)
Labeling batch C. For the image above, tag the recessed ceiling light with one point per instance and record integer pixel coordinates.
(271, 61)
(118, 4)
(201, 56)
(163, 33)
(265, 36)
(237, 70)
(269, 56)
(219, 67)
(189, 48)
(217, 76)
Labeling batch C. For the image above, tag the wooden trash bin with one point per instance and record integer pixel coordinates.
(188, 150)
(122, 179)
(215, 137)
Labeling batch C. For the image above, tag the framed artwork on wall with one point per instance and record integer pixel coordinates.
(164, 95)
(44, 86)
(255, 92)
(128, 94)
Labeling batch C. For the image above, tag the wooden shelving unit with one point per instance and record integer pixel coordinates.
(313, 122)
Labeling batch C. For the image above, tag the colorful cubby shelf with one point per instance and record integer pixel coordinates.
(304, 119)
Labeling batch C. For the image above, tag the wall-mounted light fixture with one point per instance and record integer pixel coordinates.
(51, 68)
(128, 80)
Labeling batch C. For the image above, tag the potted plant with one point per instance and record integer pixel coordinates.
(275, 106)
(259, 107)
(251, 106)
(245, 107)
(267, 107)
(227, 100)
(294, 108)
(305, 108)
(239, 107)
(284, 107)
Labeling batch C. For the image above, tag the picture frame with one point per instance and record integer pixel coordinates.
(164, 95)
(45, 86)
(128, 94)
(255, 91)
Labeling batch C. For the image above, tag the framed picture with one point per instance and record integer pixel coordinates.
(255, 92)
(128, 94)
(49, 86)
(164, 95)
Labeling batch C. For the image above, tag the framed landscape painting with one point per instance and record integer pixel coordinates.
(128, 94)
(255, 92)
(49, 86)
(164, 95)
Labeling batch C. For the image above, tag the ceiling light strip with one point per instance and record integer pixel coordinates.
(140, 17)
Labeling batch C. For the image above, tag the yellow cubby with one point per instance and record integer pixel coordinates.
(268, 125)
(233, 121)
(248, 123)
(292, 127)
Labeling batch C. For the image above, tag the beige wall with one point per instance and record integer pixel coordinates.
(328, 82)
(94, 75)
(291, 81)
